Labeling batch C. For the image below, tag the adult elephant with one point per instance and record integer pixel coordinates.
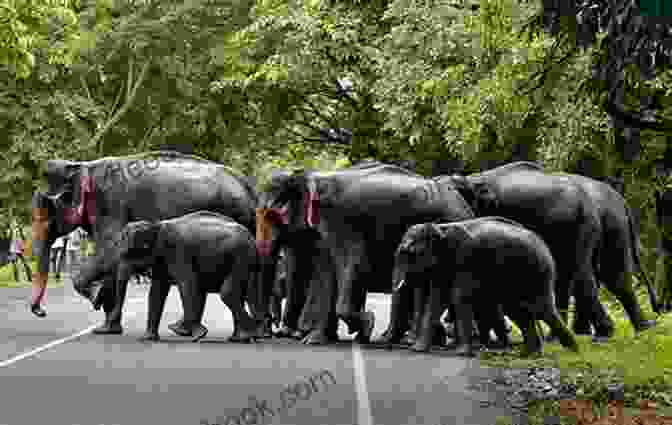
(568, 216)
(618, 256)
(203, 252)
(309, 279)
(361, 213)
(557, 209)
(104, 195)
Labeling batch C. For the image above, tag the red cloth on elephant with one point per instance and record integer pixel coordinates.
(266, 217)
(86, 210)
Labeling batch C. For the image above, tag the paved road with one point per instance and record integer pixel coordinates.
(116, 380)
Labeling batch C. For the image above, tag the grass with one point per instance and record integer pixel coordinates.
(7, 276)
(643, 363)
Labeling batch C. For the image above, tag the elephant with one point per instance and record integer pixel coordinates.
(600, 217)
(361, 213)
(203, 252)
(618, 256)
(484, 267)
(104, 195)
(560, 211)
(309, 313)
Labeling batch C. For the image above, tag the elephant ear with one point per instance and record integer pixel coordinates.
(140, 237)
(485, 198)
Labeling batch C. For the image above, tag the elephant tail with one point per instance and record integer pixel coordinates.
(636, 257)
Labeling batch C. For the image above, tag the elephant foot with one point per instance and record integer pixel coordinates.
(408, 339)
(284, 332)
(179, 329)
(109, 329)
(388, 337)
(368, 322)
(439, 338)
(420, 347)
(267, 329)
(244, 337)
(644, 325)
(298, 335)
(198, 332)
(37, 310)
(464, 350)
(149, 337)
(316, 337)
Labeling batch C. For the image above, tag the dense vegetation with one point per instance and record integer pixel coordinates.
(582, 86)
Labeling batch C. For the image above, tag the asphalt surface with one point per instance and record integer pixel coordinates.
(53, 371)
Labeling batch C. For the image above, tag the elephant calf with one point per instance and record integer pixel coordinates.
(203, 252)
(479, 266)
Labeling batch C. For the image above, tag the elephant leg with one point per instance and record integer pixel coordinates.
(232, 295)
(179, 327)
(158, 292)
(619, 283)
(399, 317)
(112, 308)
(352, 292)
(419, 301)
(582, 325)
(192, 294)
(587, 298)
(430, 318)
(276, 309)
(501, 327)
(549, 314)
(534, 343)
(483, 324)
(298, 275)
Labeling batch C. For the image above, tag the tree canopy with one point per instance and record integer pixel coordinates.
(261, 84)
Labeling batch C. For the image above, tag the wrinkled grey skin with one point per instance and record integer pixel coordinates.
(479, 266)
(170, 186)
(614, 254)
(618, 257)
(203, 252)
(363, 213)
(310, 310)
(558, 210)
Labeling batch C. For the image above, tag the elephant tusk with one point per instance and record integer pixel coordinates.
(400, 285)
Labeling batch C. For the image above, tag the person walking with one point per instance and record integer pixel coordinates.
(57, 255)
(16, 251)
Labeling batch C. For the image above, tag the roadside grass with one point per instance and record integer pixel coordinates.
(7, 277)
(643, 362)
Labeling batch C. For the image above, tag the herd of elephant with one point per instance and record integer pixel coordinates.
(515, 241)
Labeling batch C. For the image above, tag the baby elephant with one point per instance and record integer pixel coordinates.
(478, 266)
(203, 252)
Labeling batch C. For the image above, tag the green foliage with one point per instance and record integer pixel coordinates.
(29, 25)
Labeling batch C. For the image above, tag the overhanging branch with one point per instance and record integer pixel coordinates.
(97, 139)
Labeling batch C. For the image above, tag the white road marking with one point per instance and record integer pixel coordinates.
(52, 344)
(363, 405)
